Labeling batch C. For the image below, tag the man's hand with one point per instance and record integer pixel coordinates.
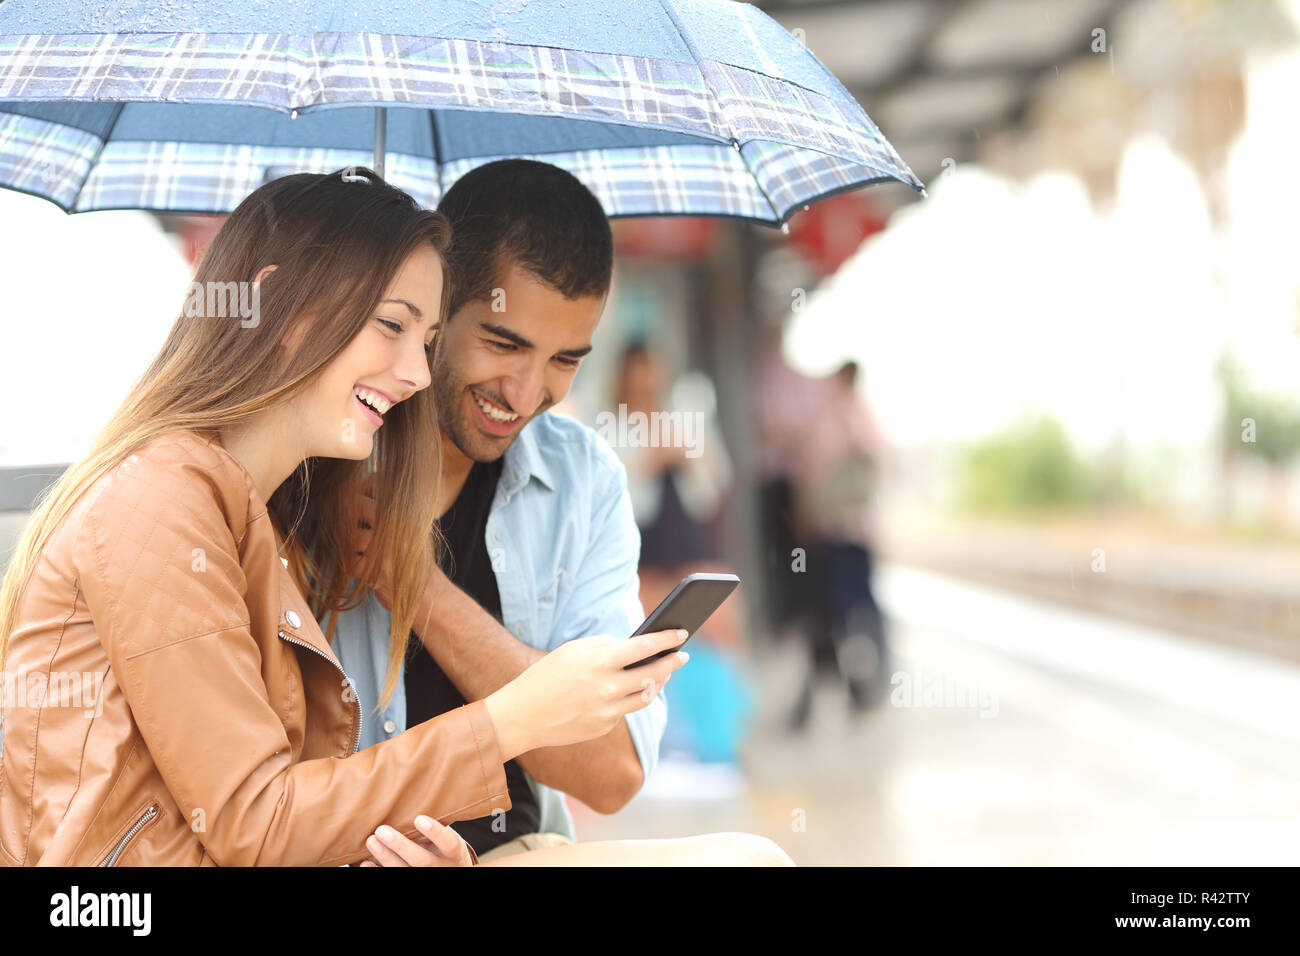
(440, 846)
(357, 544)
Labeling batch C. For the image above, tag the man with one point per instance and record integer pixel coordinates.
(834, 494)
(542, 543)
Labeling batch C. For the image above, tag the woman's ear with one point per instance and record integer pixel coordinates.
(292, 339)
(265, 271)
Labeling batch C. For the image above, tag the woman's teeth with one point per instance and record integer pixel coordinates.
(494, 413)
(376, 401)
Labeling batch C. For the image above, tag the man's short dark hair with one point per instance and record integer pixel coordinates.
(530, 213)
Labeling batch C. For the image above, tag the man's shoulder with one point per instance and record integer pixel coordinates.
(567, 445)
(552, 428)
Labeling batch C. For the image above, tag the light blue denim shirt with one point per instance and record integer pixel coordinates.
(564, 547)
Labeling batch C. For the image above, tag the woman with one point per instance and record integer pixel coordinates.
(178, 703)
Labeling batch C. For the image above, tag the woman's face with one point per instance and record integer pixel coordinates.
(384, 364)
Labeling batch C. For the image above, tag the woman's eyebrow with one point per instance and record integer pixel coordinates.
(414, 309)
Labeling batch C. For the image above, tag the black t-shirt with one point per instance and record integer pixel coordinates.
(429, 692)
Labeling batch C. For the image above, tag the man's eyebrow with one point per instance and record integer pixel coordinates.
(523, 343)
(506, 334)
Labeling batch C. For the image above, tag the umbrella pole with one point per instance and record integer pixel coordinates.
(381, 139)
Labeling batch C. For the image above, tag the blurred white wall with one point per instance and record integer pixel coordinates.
(85, 302)
(995, 298)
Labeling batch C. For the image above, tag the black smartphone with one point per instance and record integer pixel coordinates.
(690, 605)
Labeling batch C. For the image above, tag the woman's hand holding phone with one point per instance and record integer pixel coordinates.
(580, 690)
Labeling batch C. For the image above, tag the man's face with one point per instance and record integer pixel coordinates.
(503, 361)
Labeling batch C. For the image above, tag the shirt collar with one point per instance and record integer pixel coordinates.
(524, 460)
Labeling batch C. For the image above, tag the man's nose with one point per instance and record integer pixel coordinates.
(523, 390)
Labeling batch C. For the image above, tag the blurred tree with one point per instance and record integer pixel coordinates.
(1260, 425)
(1256, 423)
(1027, 467)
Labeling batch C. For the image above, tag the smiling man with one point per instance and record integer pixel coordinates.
(542, 545)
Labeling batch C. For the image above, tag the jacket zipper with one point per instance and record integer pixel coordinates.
(356, 739)
(111, 859)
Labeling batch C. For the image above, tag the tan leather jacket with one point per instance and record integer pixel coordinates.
(192, 712)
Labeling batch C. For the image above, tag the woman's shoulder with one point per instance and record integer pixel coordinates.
(192, 446)
(174, 507)
(177, 473)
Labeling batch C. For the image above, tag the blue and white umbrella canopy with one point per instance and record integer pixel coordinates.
(662, 107)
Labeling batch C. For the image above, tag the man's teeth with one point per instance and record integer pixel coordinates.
(494, 413)
(373, 399)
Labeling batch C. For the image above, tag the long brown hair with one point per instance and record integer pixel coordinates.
(338, 240)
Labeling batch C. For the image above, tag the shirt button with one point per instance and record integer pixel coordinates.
(390, 726)
(293, 618)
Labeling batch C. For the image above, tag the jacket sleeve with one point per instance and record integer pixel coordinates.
(160, 568)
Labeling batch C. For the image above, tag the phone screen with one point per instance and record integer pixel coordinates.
(689, 605)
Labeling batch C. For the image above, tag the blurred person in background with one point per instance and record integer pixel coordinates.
(785, 401)
(834, 491)
(678, 477)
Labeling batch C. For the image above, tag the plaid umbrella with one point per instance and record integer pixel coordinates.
(693, 107)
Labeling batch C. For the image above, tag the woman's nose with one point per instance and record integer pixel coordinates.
(414, 367)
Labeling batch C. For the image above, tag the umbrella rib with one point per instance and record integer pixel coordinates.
(695, 52)
(99, 150)
(437, 153)
(717, 107)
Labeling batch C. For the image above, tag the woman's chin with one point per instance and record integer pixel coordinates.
(357, 449)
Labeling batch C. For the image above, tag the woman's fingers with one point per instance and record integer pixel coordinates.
(446, 842)
(651, 680)
(384, 846)
(650, 688)
(446, 847)
(638, 648)
(658, 670)
(400, 850)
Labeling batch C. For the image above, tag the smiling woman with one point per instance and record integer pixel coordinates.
(205, 510)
